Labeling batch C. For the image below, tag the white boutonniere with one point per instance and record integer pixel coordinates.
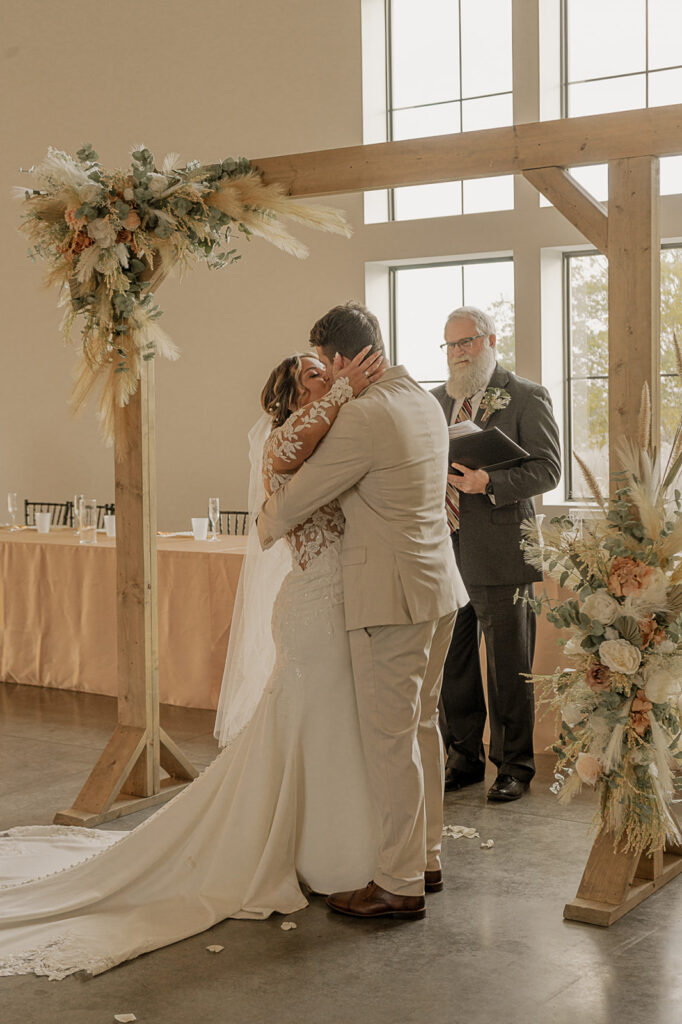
(493, 400)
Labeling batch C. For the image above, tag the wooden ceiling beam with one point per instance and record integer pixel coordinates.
(576, 203)
(568, 142)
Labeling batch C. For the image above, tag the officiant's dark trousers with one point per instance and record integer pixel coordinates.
(509, 631)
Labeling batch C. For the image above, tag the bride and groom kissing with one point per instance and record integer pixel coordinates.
(331, 772)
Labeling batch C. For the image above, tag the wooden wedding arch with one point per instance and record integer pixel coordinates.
(127, 775)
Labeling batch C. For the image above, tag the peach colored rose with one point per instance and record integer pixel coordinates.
(588, 768)
(627, 576)
(132, 221)
(639, 713)
(598, 676)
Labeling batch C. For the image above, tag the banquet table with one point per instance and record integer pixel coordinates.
(58, 612)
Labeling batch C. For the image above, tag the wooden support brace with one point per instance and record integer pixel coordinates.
(574, 202)
(615, 881)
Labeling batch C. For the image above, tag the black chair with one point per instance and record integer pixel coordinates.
(61, 512)
(102, 511)
(233, 522)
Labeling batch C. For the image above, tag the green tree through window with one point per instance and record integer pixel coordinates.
(587, 360)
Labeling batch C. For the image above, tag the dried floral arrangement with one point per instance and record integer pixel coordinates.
(110, 237)
(620, 701)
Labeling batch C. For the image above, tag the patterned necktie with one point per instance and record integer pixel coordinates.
(451, 492)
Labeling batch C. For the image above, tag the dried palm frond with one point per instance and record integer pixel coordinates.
(591, 482)
(643, 478)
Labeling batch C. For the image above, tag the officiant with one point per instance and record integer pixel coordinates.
(485, 511)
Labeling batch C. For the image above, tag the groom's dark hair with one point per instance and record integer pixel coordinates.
(347, 329)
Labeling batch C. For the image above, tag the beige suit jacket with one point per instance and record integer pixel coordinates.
(385, 459)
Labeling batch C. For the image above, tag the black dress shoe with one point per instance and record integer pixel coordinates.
(456, 779)
(506, 787)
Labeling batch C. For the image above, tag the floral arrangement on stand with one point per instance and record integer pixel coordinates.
(110, 237)
(620, 702)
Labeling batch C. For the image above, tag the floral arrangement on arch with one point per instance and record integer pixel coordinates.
(110, 237)
(620, 702)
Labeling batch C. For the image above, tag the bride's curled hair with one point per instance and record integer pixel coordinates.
(279, 397)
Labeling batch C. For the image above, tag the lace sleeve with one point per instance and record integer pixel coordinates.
(289, 446)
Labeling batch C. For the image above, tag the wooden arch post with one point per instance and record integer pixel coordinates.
(127, 776)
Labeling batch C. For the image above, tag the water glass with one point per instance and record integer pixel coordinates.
(214, 516)
(78, 502)
(200, 528)
(88, 521)
(12, 507)
(43, 520)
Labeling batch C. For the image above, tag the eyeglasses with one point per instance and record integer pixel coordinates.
(465, 344)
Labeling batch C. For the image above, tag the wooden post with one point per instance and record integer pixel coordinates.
(634, 244)
(126, 777)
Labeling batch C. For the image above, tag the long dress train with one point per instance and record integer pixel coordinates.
(288, 799)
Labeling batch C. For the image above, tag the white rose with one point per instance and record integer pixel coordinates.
(158, 183)
(90, 193)
(572, 648)
(101, 231)
(662, 680)
(128, 194)
(587, 768)
(571, 713)
(620, 656)
(602, 607)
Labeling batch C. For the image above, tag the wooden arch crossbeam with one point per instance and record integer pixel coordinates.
(127, 775)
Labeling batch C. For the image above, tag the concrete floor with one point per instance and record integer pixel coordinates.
(493, 947)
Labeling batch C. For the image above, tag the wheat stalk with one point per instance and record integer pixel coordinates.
(591, 482)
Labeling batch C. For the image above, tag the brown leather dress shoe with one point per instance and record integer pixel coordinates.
(433, 880)
(373, 901)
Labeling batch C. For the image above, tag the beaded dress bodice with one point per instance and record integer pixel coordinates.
(325, 526)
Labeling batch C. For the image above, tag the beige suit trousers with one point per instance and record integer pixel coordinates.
(398, 672)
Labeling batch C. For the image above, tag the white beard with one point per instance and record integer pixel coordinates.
(468, 378)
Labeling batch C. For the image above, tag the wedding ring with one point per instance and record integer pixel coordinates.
(367, 375)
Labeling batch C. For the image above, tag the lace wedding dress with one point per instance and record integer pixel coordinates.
(287, 800)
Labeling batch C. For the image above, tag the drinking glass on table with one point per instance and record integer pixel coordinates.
(78, 502)
(214, 516)
(88, 519)
(12, 507)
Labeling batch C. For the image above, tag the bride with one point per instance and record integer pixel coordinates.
(285, 802)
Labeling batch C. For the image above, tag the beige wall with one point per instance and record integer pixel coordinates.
(208, 79)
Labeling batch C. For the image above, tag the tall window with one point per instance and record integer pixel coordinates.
(619, 55)
(449, 69)
(586, 360)
(424, 294)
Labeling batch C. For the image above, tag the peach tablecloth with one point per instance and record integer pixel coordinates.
(58, 613)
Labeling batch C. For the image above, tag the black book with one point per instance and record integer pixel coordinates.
(484, 449)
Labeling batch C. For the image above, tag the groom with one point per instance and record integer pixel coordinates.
(385, 459)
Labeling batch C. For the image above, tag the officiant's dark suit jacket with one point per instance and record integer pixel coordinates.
(491, 563)
(490, 535)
